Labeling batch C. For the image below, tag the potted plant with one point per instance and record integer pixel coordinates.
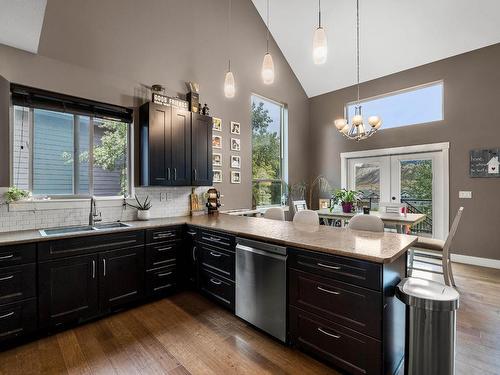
(15, 194)
(142, 208)
(346, 198)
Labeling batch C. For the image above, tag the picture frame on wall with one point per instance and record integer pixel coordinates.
(217, 159)
(235, 128)
(235, 161)
(217, 141)
(216, 124)
(235, 177)
(235, 144)
(217, 173)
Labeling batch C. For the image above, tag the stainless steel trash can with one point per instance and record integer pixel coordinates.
(432, 309)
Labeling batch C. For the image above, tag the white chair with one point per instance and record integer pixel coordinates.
(428, 249)
(299, 206)
(306, 217)
(369, 223)
(275, 213)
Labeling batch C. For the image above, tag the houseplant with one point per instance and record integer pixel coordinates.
(142, 207)
(346, 198)
(15, 194)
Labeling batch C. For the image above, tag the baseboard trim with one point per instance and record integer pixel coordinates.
(476, 261)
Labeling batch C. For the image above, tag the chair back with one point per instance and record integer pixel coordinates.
(299, 206)
(451, 234)
(275, 213)
(306, 217)
(370, 223)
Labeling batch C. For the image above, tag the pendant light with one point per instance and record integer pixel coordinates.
(229, 84)
(320, 47)
(357, 131)
(267, 63)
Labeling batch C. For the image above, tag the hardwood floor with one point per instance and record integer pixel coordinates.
(186, 334)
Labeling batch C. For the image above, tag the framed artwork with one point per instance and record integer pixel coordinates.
(217, 141)
(235, 128)
(217, 176)
(235, 161)
(235, 177)
(324, 203)
(216, 124)
(235, 144)
(217, 160)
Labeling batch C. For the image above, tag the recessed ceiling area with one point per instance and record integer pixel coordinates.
(395, 35)
(21, 23)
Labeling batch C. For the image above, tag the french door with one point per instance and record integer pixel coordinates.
(416, 179)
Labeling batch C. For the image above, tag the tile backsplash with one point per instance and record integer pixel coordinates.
(175, 204)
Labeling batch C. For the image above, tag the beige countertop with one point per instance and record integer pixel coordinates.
(375, 247)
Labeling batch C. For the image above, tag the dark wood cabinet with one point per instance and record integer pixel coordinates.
(201, 159)
(181, 147)
(68, 290)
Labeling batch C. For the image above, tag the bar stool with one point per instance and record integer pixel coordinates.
(275, 213)
(369, 223)
(306, 217)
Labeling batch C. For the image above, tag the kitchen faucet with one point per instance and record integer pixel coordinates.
(94, 216)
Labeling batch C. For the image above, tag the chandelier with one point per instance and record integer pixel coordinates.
(357, 130)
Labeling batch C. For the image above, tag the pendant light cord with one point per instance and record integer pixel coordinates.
(319, 13)
(267, 36)
(229, 34)
(357, 43)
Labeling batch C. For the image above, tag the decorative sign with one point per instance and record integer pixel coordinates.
(167, 100)
(485, 163)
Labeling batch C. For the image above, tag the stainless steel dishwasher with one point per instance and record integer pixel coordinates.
(261, 286)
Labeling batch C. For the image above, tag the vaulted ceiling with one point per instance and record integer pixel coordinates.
(395, 35)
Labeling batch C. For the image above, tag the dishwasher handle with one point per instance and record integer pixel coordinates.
(254, 250)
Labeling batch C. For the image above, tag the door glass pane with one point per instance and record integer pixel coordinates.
(367, 181)
(416, 192)
(52, 152)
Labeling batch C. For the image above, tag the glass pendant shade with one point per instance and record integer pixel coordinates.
(340, 124)
(320, 48)
(229, 85)
(268, 69)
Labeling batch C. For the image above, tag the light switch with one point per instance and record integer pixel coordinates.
(465, 194)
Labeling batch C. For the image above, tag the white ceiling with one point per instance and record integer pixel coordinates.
(21, 23)
(395, 35)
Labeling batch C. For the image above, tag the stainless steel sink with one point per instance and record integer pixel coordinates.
(82, 229)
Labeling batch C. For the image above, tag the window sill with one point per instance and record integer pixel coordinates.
(64, 204)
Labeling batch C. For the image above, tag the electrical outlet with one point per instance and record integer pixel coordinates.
(465, 194)
(163, 197)
(168, 196)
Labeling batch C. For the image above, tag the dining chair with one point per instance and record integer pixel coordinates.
(275, 213)
(369, 223)
(306, 217)
(299, 206)
(428, 249)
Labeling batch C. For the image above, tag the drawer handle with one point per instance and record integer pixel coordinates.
(7, 315)
(328, 291)
(7, 257)
(214, 239)
(214, 254)
(164, 248)
(164, 274)
(7, 278)
(191, 233)
(216, 282)
(330, 267)
(163, 235)
(328, 333)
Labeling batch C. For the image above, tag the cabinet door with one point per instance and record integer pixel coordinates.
(160, 158)
(181, 147)
(68, 290)
(201, 129)
(121, 275)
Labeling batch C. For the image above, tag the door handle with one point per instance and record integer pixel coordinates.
(194, 253)
(328, 291)
(328, 333)
(214, 254)
(330, 267)
(93, 269)
(164, 274)
(104, 267)
(168, 173)
(195, 176)
(175, 174)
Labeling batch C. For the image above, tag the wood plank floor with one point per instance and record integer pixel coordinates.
(186, 334)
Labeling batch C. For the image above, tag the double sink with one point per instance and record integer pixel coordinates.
(82, 229)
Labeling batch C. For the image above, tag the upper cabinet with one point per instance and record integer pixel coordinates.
(171, 141)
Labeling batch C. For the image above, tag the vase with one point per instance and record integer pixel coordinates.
(143, 215)
(347, 207)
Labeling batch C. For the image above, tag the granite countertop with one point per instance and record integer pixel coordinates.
(374, 247)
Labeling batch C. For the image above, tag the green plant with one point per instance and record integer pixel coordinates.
(345, 196)
(141, 206)
(15, 194)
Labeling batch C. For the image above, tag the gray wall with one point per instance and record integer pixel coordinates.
(471, 120)
(109, 50)
(4, 132)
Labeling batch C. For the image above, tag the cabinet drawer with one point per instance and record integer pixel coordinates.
(352, 306)
(161, 254)
(219, 239)
(220, 289)
(349, 270)
(17, 254)
(17, 319)
(17, 283)
(217, 260)
(347, 349)
(89, 244)
(161, 281)
(163, 234)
